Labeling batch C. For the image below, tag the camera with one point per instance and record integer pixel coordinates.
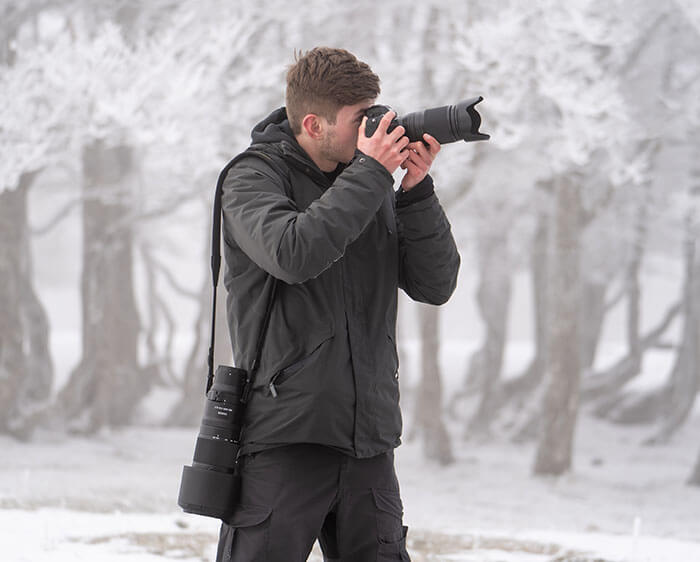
(210, 486)
(448, 123)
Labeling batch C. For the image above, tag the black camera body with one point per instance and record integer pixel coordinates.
(448, 123)
(210, 486)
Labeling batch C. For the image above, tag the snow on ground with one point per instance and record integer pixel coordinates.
(112, 498)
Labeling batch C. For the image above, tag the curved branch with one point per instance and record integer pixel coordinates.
(54, 221)
(174, 283)
(620, 373)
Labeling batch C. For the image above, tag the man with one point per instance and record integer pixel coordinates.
(311, 203)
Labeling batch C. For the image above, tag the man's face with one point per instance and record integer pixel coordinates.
(340, 140)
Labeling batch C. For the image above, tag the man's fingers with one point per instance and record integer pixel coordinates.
(363, 124)
(419, 162)
(420, 148)
(434, 144)
(397, 133)
(412, 167)
(385, 121)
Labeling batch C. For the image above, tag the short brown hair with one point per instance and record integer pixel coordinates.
(325, 79)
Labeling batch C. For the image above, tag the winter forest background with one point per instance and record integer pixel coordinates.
(578, 304)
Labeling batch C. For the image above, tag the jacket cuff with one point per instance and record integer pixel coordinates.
(418, 193)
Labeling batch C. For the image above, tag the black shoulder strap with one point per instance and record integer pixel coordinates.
(216, 267)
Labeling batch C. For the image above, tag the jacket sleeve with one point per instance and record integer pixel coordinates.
(428, 256)
(296, 245)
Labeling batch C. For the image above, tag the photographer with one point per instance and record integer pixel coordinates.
(311, 203)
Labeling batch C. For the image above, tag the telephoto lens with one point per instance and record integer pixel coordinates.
(448, 123)
(210, 486)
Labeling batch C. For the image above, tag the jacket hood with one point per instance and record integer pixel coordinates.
(274, 128)
(275, 131)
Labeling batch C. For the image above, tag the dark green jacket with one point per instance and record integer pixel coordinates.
(341, 247)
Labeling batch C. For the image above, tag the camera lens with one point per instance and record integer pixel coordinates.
(448, 123)
(221, 424)
(206, 487)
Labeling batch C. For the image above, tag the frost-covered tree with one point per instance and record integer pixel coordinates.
(553, 70)
(239, 90)
(683, 94)
(107, 384)
(426, 26)
(31, 135)
(660, 64)
(184, 109)
(128, 97)
(619, 163)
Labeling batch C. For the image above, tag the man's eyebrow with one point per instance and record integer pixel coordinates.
(360, 112)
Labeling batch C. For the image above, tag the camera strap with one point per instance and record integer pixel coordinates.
(216, 267)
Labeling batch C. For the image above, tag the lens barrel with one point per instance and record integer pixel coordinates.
(448, 123)
(209, 487)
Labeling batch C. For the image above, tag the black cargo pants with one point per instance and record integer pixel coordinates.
(294, 494)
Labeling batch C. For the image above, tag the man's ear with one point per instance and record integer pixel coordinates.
(312, 125)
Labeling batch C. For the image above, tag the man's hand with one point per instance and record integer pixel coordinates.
(387, 149)
(419, 160)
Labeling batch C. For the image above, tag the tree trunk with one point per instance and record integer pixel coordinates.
(694, 479)
(519, 389)
(107, 385)
(493, 298)
(605, 385)
(634, 292)
(562, 379)
(612, 380)
(188, 410)
(26, 370)
(592, 318)
(428, 409)
(160, 362)
(526, 390)
(685, 378)
(674, 401)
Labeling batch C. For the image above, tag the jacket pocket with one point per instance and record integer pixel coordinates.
(290, 370)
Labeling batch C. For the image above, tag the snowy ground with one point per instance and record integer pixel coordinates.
(112, 498)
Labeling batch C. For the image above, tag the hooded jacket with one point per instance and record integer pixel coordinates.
(341, 244)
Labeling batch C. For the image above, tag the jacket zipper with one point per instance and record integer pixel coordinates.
(291, 369)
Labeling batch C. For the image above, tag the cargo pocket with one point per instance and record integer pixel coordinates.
(394, 550)
(389, 514)
(245, 533)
